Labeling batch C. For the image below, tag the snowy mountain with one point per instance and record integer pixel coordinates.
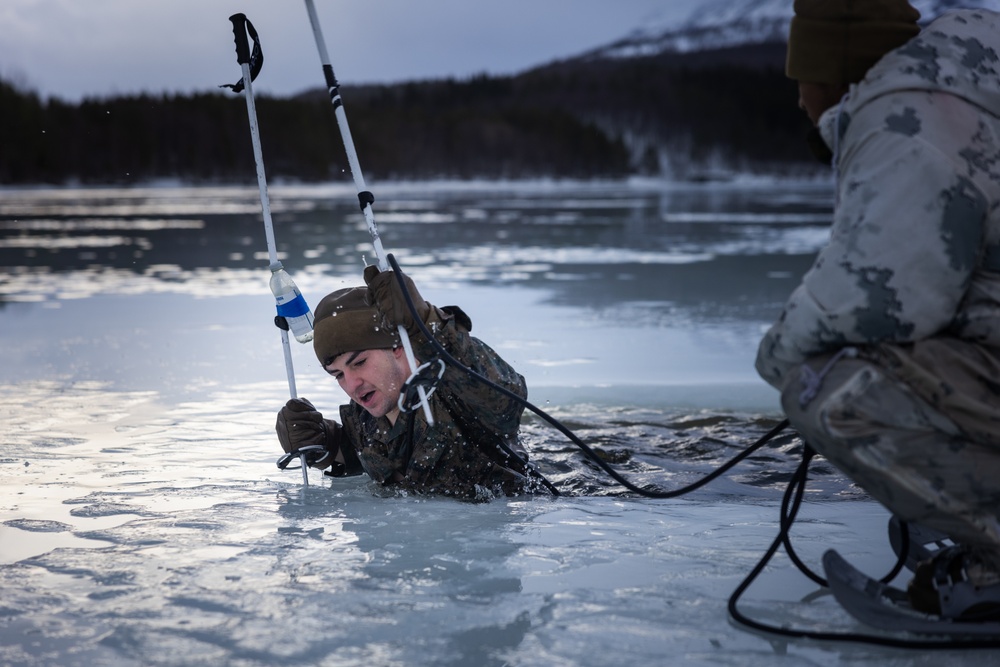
(728, 23)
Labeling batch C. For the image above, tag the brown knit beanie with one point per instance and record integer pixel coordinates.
(838, 41)
(346, 321)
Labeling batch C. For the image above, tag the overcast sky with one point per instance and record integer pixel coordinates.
(94, 48)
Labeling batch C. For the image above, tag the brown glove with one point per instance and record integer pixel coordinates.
(299, 425)
(388, 297)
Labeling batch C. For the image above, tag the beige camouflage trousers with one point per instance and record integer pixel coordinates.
(891, 443)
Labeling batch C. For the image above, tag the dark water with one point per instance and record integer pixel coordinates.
(710, 253)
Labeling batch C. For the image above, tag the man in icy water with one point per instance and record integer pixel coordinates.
(471, 450)
(888, 353)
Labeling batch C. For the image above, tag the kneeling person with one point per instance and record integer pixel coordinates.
(470, 451)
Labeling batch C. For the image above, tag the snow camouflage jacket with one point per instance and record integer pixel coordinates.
(465, 453)
(911, 273)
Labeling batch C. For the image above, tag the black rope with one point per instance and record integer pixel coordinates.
(648, 493)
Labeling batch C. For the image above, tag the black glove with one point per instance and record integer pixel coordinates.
(299, 425)
(388, 297)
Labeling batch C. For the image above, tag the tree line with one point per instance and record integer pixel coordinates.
(582, 118)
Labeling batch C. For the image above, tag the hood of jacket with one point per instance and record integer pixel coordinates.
(957, 54)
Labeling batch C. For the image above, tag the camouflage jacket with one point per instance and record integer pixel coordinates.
(466, 453)
(914, 249)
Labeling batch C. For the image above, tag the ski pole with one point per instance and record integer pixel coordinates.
(293, 312)
(365, 198)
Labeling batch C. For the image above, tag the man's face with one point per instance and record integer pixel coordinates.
(373, 379)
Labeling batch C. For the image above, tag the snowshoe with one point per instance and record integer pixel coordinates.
(887, 608)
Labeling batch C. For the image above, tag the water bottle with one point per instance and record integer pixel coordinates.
(291, 305)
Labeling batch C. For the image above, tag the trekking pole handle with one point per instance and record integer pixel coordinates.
(240, 34)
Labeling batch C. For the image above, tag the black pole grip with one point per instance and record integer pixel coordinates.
(240, 33)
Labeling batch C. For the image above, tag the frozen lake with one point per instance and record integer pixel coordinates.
(143, 521)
